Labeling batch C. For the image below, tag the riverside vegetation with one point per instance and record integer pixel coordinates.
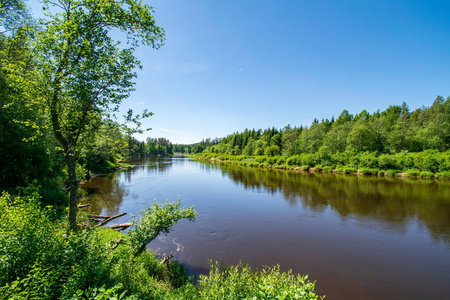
(392, 142)
(62, 80)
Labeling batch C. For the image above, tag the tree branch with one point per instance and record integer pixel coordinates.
(166, 259)
(109, 219)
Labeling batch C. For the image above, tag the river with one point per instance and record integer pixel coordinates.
(359, 237)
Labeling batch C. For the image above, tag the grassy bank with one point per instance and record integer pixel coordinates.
(426, 164)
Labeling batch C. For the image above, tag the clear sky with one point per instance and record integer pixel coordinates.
(231, 65)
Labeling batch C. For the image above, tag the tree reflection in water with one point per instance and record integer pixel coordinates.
(386, 199)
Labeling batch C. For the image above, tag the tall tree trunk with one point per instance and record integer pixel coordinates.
(73, 183)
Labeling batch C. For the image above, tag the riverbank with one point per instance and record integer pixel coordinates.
(427, 164)
(101, 263)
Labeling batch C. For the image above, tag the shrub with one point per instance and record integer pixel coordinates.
(368, 160)
(259, 152)
(387, 161)
(318, 168)
(327, 169)
(294, 161)
(271, 160)
(427, 174)
(281, 160)
(443, 175)
(339, 169)
(273, 150)
(413, 173)
(304, 168)
(367, 171)
(261, 159)
(309, 159)
(349, 170)
(392, 172)
(241, 282)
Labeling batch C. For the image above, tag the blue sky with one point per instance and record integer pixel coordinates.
(231, 65)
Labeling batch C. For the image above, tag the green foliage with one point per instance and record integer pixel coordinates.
(155, 220)
(318, 168)
(102, 293)
(349, 170)
(391, 172)
(259, 151)
(427, 174)
(327, 169)
(394, 139)
(272, 150)
(40, 261)
(367, 171)
(361, 138)
(413, 173)
(241, 282)
(443, 175)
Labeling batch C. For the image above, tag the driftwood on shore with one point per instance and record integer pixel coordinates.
(103, 220)
(99, 217)
(109, 219)
(120, 227)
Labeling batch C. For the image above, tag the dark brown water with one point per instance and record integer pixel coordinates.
(358, 237)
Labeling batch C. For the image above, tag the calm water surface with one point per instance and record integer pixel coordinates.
(358, 237)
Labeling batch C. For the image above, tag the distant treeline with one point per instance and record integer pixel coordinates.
(162, 146)
(396, 139)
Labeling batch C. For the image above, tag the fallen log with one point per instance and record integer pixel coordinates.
(109, 219)
(99, 217)
(83, 205)
(126, 225)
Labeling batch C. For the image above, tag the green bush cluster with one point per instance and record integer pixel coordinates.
(426, 164)
(241, 282)
(40, 260)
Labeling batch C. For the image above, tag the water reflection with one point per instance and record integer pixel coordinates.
(150, 165)
(391, 200)
(106, 194)
(386, 199)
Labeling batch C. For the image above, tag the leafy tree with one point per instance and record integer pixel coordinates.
(344, 117)
(85, 73)
(289, 144)
(336, 139)
(273, 150)
(311, 139)
(276, 140)
(250, 147)
(259, 151)
(361, 138)
(13, 15)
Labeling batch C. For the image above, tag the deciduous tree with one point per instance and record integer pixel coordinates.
(86, 73)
